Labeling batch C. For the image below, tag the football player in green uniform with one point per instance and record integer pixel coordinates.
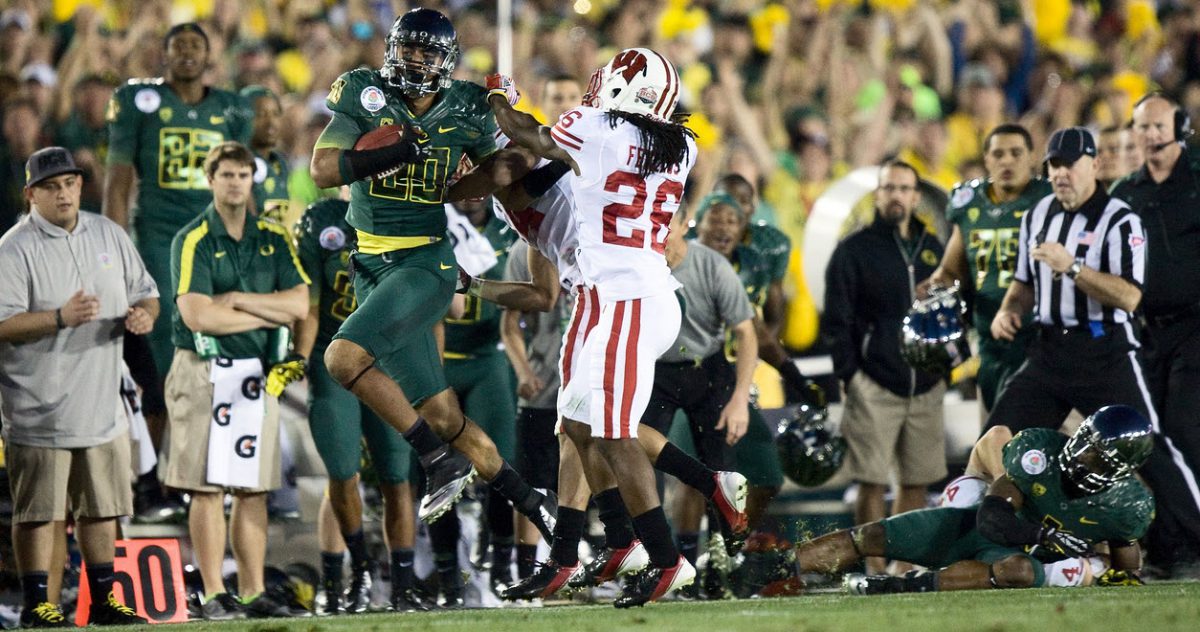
(271, 170)
(405, 273)
(341, 425)
(982, 251)
(1059, 497)
(478, 372)
(160, 131)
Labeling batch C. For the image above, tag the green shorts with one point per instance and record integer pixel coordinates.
(998, 361)
(486, 392)
(941, 536)
(757, 457)
(401, 296)
(156, 253)
(340, 425)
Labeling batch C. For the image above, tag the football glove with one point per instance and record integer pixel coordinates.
(467, 284)
(504, 86)
(1064, 543)
(290, 370)
(1114, 577)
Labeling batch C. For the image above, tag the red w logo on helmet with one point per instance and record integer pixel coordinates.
(631, 61)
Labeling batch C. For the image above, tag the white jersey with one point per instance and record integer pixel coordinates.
(622, 218)
(548, 225)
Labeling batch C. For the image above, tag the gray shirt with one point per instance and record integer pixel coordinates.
(61, 391)
(713, 299)
(543, 331)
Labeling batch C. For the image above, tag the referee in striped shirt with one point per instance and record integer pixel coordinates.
(1080, 267)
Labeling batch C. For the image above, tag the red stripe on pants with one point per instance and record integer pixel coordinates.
(568, 353)
(635, 326)
(610, 368)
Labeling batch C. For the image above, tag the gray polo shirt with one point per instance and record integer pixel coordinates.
(713, 300)
(61, 391)
(543, 331)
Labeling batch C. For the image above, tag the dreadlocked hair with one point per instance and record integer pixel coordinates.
(663, 143)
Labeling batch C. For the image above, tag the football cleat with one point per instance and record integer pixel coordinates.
(729, 505)
(915, 581)
(44, 615)
(333, 600)
(549, 578)
(611, 564)
(407, 601)
(448, 474)
(112, 612)
(358, 596)
(653, 582)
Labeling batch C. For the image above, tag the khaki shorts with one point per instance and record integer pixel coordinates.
(189, 408)
(95, 480)
(884, 430)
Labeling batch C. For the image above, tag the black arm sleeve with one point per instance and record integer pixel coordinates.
(999, 522)
(357, 164)
(538, 181)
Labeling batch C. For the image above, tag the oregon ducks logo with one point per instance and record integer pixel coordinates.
(1039, 489)
(165, 115)
(246, 446)
(221, 413)
(973, 214)
(929, 258)
(266, 250)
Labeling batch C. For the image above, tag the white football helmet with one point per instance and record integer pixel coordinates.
(639, 81)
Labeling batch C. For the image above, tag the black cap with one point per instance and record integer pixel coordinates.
(1070, 144)
(47, 163)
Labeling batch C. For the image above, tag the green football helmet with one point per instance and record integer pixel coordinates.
(809, 453)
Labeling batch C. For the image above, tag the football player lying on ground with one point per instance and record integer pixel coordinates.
(1059, 497)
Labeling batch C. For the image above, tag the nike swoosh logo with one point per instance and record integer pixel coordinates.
(1084, 520)
(422, 141)
(444, 266)
(219, 254)
(216, 120)
(443, 130)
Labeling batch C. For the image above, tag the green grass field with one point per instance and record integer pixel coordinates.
(1154, 608)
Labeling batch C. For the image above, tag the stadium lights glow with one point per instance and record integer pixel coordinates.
(582, 6)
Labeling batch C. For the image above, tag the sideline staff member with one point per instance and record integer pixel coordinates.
(1165, 192)
(72, 285)
(236, 278)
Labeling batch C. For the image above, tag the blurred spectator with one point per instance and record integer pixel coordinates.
(1109, 166)
(893, 416)
(21, 128)
(85, 133)
(270, 167)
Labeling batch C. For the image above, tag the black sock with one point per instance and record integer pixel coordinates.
(689, 546)
(526, 556)
(356, 544)
(511, 486)
(689, 471)
(618, 532)
(331, 568)
(443, 539)
(502, 551)
(500, 518)
(652, 530)
(422, 438)
(34, 587)
(568, 531)
(100, 581)
(402, 570)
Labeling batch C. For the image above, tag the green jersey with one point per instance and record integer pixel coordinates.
(478, 331)
(324, 241)
(755, 271)
(409, 203)
(991, 235)
(772, 245)
(206, 260)
(1121, 513)
(271, 186)
(166, 141)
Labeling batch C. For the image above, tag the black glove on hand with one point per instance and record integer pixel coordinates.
(1064, 543)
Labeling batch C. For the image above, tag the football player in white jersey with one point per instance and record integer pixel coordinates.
(630, 160)
(539, 209)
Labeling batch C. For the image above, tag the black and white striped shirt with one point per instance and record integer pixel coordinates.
(1104, 234)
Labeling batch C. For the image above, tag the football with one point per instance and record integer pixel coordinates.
(381, 136)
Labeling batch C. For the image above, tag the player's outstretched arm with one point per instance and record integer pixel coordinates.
(539, 295)
(522, 128)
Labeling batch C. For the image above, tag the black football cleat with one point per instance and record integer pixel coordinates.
(547, 579)
(612, 564)
(654, 582)
(447, 475)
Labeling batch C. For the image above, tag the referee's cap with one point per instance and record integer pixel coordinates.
(1070, 144)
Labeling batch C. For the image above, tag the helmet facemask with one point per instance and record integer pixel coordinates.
(418, 63)
(1094, 459)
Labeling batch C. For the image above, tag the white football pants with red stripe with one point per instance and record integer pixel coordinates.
(614, 373)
